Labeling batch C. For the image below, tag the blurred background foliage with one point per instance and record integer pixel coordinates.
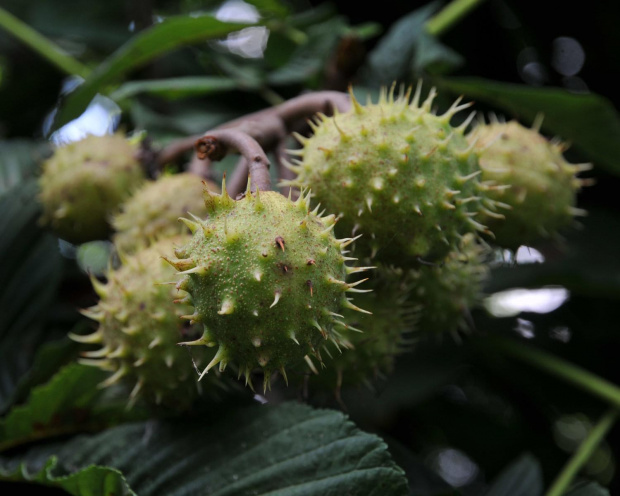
(486, 416)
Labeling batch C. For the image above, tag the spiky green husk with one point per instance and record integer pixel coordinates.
(266, 277)
(368, 355)
(85, 182)
(543, 186)
(139, 328)
(397, 173)
(445, 293)
(153, 211)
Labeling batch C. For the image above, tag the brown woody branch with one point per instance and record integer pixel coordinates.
(266, 129)
(219, 142)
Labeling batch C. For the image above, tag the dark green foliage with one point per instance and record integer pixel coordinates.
(477, 417)
(286, 450)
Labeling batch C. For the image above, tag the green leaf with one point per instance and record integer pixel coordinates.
(285, 450)
(588, 489)
(270, 7)
(309, 59)
(175, 88)
(168, 35)
(393, 57)
(29, 275)
(56, 408)
(19, 160)
(434, 57)
(184, 121)
(315, 15)
(48, 359)
(43, 46)
(94, 257)
(89, 481)
(588, 121)
(365, 31)
(522, 478)
(247, 75)
(103, 26)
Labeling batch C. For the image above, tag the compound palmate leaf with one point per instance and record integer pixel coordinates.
(290, 449)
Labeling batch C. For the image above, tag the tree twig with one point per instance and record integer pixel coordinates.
(219, 142)
(268, 128)
(260, 124)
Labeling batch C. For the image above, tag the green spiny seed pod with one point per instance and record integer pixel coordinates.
(444, 293)
(368, 355)
(83, 184)
(397, 173)
(153, 211)
(266, 278)
(543, 186)
(139, 328)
